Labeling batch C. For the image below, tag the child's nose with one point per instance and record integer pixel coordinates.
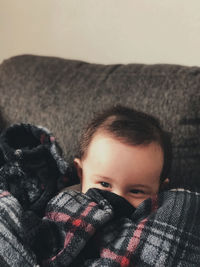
(118, 192)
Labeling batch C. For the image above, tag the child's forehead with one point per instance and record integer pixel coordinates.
(107, 141)
(104, 134)
(108, 157)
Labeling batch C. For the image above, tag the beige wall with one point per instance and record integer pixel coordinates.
(103, 31)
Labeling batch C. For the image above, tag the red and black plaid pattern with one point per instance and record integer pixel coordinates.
(91, 230)
(162, 231)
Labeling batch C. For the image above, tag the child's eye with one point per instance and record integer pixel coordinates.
(137, 191)
(104, 184)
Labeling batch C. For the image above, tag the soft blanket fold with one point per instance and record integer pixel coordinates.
(90, 230)
(31, 165)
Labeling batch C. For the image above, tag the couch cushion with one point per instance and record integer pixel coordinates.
(63, 95)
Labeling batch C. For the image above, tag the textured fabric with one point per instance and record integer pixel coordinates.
(14, 251)
(63, 95)
(31, 167)
(91, 230)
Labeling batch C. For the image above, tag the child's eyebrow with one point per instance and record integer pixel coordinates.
(141, 186)
(103, 177)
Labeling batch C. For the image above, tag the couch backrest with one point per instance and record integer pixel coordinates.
(63, 95)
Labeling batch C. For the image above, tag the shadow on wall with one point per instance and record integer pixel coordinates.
(3, 122)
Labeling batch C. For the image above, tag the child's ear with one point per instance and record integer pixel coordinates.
(78, 165)
(165, 184)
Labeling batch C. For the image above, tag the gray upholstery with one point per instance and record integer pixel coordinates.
(63, 95)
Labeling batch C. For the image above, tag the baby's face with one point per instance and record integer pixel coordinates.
(132, 172)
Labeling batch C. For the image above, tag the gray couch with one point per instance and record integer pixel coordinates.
(63, 95)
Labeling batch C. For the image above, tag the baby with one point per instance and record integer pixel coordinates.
(126, 152)
(124, 159)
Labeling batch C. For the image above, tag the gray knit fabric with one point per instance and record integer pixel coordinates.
(14, 251)
(63, 95)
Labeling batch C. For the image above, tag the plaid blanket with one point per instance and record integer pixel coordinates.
(73, 229)
(102, 229)
(32, 168)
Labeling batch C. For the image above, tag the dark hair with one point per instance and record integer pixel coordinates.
(131, 127)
